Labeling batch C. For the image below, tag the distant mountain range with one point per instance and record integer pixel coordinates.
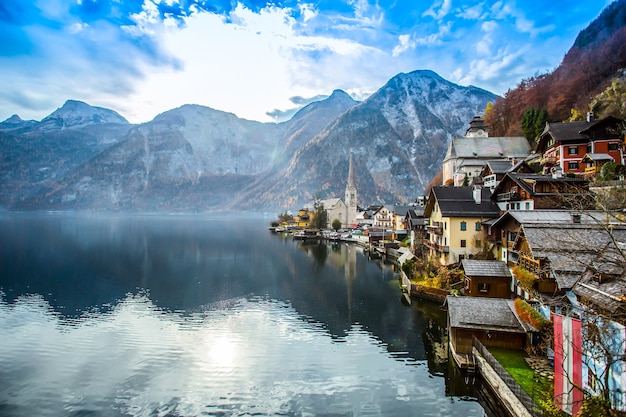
(195, 158)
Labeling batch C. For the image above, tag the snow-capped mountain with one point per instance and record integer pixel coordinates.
(78, 114)
(398, 138)
(197, 158)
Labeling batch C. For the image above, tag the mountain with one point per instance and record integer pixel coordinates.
(186, 159)
(33, 155)
(194, 158)
(398, 138)
(597, 56)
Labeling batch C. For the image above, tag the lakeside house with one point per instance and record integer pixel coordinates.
(493, 321)
(486, 278)
(455, 216)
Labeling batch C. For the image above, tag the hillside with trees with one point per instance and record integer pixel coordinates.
(596, 59)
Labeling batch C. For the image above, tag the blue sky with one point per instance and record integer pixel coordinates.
(262, 61)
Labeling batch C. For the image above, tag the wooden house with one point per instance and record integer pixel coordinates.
(494, 171)
(581, 146)
(486, 278)
(492, 321)
(523, 191)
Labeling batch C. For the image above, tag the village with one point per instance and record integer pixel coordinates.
(525, 248)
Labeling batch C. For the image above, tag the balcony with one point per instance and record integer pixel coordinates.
(435, 229)
(509, 196)
(437, 247)
(548, 160)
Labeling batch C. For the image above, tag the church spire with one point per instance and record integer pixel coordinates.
(351, 172)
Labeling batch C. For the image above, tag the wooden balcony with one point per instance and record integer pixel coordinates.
(509, 196)
(437, 247)
(548, 160)
(435, 229)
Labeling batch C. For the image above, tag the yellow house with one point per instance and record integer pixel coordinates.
(455, 215)
(303, 218)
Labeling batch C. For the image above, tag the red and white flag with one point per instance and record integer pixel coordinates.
(568, 364)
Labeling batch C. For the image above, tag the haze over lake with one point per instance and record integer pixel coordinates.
(176, 315)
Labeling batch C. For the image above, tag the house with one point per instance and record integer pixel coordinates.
(494, 171)
(400, 229)
(455, 215)
(383, 218)
(492, 321)
(523, 191)
(466, 156)
(486, 278)
(557, 255)
(303, 218)
(581, 146)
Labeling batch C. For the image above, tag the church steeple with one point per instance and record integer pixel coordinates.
(351, 197)
(351, 172)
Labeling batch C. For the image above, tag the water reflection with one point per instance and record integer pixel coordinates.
(161, 315)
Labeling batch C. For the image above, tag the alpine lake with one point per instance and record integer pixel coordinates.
(201, 315)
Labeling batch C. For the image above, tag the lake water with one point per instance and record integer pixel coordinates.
(157, 315)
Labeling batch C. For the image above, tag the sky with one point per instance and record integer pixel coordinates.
(265, 60)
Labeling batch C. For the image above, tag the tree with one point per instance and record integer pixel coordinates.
(533, 122)
(612, 101)
(320, 215)
(336, 224)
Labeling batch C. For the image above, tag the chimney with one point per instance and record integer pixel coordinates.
(477, 193)
(557, 171)
(589, 116)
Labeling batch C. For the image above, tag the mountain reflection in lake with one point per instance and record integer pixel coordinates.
(139, 315)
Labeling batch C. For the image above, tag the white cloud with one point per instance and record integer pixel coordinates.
(439, 10)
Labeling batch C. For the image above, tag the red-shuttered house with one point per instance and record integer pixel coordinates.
(583, 146)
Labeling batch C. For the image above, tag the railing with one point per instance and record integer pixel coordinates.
(510, 196)
(548, 160)
(435, 229)
(437, 247)
(510, 382)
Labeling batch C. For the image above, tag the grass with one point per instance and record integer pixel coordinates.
(539, 388)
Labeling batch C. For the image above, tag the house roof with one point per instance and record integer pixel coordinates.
(571, 132)
(459, 202)
(488, 147)
(597, 157)
(330, 203)
(495, 269)
(609, 295)
(573, 249)
(478, 313)
(529, 181)
(499, 166)
(554, 217)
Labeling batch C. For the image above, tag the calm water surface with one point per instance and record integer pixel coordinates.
(155, 315)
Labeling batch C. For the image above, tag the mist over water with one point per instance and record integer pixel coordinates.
(137, 315)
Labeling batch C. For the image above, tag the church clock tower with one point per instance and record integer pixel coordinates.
(351, 196)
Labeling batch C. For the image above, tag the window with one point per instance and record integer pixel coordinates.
(527, 205)
(479, 243)
(572, 150)
(572, 165)
(477, 226)
(463, 243)
(613, 146)
(484, 287)
(463, 226)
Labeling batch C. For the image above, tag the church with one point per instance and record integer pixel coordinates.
(344, 210)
